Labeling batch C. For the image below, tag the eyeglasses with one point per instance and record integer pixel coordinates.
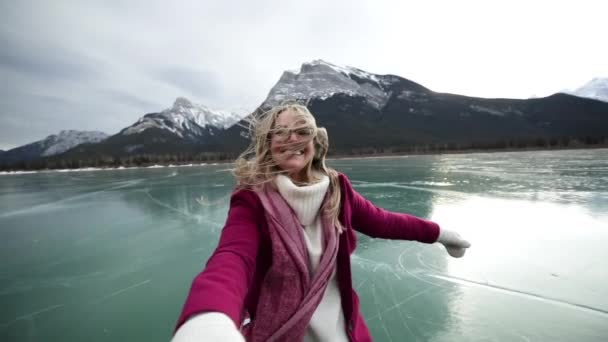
(283, 133)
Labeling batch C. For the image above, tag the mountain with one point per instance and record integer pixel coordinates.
(185, 119)
(65, 140)
(365, 112)
(321, 80)
(596, 89)
(183, 128)
(52, 145)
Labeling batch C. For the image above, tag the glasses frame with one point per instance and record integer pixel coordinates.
(284, 133)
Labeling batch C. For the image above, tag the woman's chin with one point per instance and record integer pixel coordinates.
(295, 164)
(293, 167)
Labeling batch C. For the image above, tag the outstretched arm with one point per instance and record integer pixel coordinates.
(380, 223)
(222, 286)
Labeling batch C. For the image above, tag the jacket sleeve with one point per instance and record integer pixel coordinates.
(223, 284)
(380, 223)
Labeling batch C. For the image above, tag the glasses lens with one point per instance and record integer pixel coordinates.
(284, 133)
(304, 132)
(281, 132)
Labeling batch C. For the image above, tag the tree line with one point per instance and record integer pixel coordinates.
(498, 145)
(149, 159)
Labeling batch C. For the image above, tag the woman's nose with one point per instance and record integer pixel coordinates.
(293, 135)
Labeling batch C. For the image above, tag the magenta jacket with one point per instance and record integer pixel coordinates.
(232, 279)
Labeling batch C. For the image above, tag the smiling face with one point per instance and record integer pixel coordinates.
(291, 144)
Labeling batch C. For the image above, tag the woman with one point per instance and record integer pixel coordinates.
(282, 265)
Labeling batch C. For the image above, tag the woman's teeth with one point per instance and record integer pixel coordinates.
(300, 152)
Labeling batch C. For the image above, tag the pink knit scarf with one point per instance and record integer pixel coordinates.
(290, 294)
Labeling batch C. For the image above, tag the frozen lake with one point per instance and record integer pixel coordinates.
(109, 255)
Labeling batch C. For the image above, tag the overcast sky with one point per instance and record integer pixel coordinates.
(100, 65)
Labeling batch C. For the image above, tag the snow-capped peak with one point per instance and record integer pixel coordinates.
(321, 79)
(596, 89)
(202, 115)
(346, 70)
(65, 140)
(185, 118)
(182, 102)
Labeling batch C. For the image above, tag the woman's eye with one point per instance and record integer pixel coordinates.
(281, 132)
(304, 132)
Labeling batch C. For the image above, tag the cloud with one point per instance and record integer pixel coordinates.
(103, 64)
(199, 83)
(55, 63)
(130, 100)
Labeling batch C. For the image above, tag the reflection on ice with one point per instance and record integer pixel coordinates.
(536, 247)
(528, 295)
(526, 252)
(527, 256)
(363, 184)
(432, 183)
(69, 201)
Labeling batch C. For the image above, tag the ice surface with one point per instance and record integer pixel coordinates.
(109, 255)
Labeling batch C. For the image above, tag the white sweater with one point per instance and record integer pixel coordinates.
(327, 322)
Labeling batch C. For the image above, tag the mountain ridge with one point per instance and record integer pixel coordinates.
(596, 89)
(364, 113)
(53, 144)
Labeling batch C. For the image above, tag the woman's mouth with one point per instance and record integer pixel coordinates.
(291, 152)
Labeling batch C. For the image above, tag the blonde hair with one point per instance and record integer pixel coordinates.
(255, 168)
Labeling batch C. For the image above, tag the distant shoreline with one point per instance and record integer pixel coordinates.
(120, 168)
(468, 151)
(333, 157)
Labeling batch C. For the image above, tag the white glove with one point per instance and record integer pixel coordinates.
(454, 244)
(209, 326)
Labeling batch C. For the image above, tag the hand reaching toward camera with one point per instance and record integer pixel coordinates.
(454, 244)
(209, 326)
